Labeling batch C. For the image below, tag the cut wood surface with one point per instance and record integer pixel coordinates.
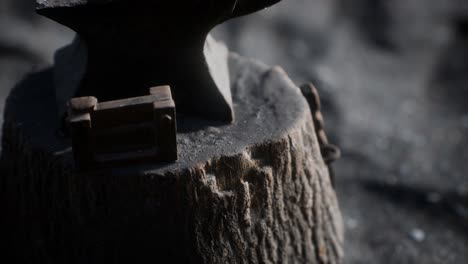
(255, 191)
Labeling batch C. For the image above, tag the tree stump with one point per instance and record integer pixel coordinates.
(255, 191)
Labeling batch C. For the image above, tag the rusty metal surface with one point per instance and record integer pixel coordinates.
(139, 129)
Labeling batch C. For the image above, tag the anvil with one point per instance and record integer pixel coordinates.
(136, 44)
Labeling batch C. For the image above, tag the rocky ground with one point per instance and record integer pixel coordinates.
(393, 75)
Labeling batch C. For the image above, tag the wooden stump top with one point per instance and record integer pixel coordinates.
(267, 105)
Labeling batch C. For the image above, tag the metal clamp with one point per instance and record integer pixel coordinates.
(139, 129)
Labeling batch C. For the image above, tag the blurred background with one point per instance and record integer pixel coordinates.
(393, 76)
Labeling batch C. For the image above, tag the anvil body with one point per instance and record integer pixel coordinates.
(134, 45)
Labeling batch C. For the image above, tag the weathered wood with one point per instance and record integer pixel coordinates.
(256, 191)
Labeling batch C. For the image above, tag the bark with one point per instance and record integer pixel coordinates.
(256, 191)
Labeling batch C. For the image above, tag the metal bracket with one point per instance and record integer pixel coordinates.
(139, 129)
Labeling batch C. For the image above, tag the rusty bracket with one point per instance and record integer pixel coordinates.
(330, 153)
(139, 129)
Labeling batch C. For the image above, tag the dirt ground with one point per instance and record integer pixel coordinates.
(393, 75)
